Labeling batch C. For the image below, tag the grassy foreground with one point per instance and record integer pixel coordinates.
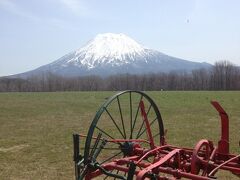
(36, 128)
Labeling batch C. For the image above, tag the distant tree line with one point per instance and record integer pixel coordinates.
(222, 76)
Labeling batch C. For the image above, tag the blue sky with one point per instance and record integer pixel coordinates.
(37, 32)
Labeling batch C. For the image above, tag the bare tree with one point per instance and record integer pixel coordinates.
(222, 76)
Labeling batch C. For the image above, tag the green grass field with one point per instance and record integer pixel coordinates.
(36, 128)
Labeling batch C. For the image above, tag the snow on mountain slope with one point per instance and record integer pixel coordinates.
(109, 49)
(110, 53)
(105, 48)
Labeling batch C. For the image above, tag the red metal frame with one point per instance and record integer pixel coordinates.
(199, 163)
(145, 119)
(223, 144)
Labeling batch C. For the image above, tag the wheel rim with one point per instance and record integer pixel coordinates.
(120, 118)
(201, 155)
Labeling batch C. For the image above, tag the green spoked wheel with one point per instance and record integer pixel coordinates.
(120, 118)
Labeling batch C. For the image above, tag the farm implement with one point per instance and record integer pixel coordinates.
(126, 140)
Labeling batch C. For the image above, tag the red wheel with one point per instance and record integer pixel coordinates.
(201, 156)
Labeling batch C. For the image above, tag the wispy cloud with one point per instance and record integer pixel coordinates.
(13, 8)
(77, 7)
(7, 4)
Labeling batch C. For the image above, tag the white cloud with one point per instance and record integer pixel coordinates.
(13, 8)
(7, 4)
(77, 7)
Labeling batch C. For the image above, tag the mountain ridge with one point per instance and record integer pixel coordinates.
(109, 54)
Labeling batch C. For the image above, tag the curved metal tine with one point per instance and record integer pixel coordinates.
(116, 173)
(107, 148)
(83, 173)
(125, 174)
(107, 175)
(95, 144)
(81, 167)
(97, 152)
(111, 157)
(146, 129)
(120, 110)
(143, 121)
(135, 119)
(114, 122)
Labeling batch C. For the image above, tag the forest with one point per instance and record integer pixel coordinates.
(223, 75)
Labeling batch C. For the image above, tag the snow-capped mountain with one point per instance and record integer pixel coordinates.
(105, 49)
(110, 53)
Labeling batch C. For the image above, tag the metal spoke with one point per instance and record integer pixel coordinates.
(114, 122)
(130, 99)
(104, 132)
(136, 113)
(120, 110)
(146, 129)
(143, 121)
(140, 129)
(111, 157)
(156, 135)
(149, 109)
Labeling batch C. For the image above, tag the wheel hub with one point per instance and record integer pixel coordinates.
(127, 148)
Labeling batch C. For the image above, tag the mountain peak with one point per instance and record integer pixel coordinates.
(111, 45)
(110, 53)
(112, 40)
(107, 48)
